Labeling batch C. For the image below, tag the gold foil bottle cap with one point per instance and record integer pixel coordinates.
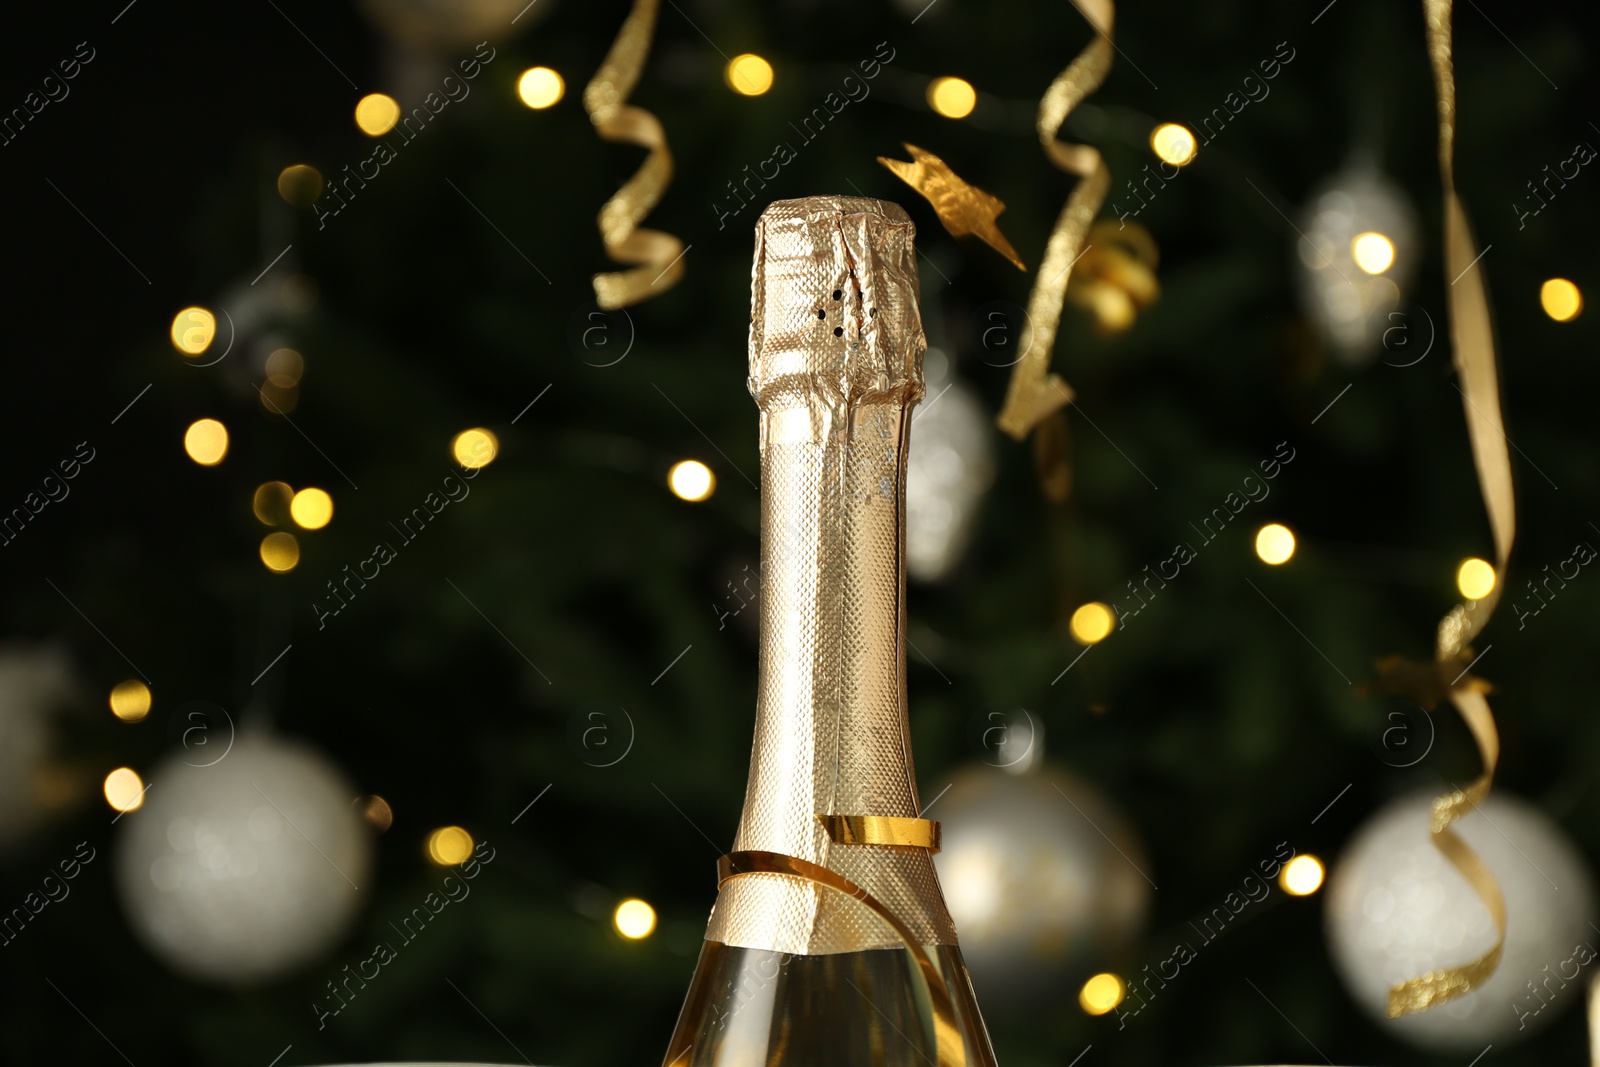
(833, 295)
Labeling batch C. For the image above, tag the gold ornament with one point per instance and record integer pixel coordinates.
(964, 209)
(606, 100)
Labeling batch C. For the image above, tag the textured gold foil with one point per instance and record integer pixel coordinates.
(836, 348)
(1472, 338)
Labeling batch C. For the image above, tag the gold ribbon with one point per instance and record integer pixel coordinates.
(892, 831)
(963, 209)
(1473, 341)
(1034, 392)
(947, 1035)
(606, 100)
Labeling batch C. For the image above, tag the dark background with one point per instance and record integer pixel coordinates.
(1220, 731)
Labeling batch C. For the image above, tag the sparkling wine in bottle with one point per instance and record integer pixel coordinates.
(830, 942)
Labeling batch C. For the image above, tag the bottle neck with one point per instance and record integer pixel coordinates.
(831, 728)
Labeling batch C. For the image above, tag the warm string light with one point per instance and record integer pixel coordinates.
(1560, 299)
(1373, 252)
(206, 442)
(376, 114)
(1101, 993)
(691, 480)
(124, 789)
(284, 368)
(1092, 623)
(1274, 543)
(311, 509)
(271, 503)
(376, 811)
(449, 845)
(1301, 876)
(1475, 578)
(1173, 143)
(475, 448)
(280, 552)
(954, 98)
(634, 919)
(130, 700)
(300, 184)
(748, 75)
(540, 87)
(193, 330)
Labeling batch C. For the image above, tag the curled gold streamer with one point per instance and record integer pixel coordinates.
(605, 98)
(1473, 342)
(1034, 392)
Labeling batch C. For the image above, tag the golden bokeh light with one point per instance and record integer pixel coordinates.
(634, 919)
(130, 700)
(954, 98)
(376, 114)
(691, 480)
(1560, 299)
(280, 552)
(748, 75)
(1101, 993)
(1301, 876)
(193, 330)
(449, 845)
(540, 87)
(300, 184)
(271, 503)
(1373, 252)
(284, 368)
(311, 509)
(1173, 143)
(377, 812)
(1475, 578)
(206, 441)
(124, 789)
(475, 448)
(276, 399)
(1274, 543)
(1092, 623)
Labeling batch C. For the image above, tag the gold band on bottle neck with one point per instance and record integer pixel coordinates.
(886, 830)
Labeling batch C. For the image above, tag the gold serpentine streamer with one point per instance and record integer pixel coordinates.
(605, 98)
(1473, 342)
(1035, 393)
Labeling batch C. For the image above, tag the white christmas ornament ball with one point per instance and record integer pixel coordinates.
(241, 870)
(949, 465)
(1358, 252)
(1044, 878)
(1397, 909)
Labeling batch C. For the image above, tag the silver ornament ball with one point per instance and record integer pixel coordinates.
(1398, 909)
(949, 466)
(1358, 253)
(240, 870)
(1043, 879)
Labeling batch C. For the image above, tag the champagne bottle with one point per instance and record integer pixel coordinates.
(830, 942)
